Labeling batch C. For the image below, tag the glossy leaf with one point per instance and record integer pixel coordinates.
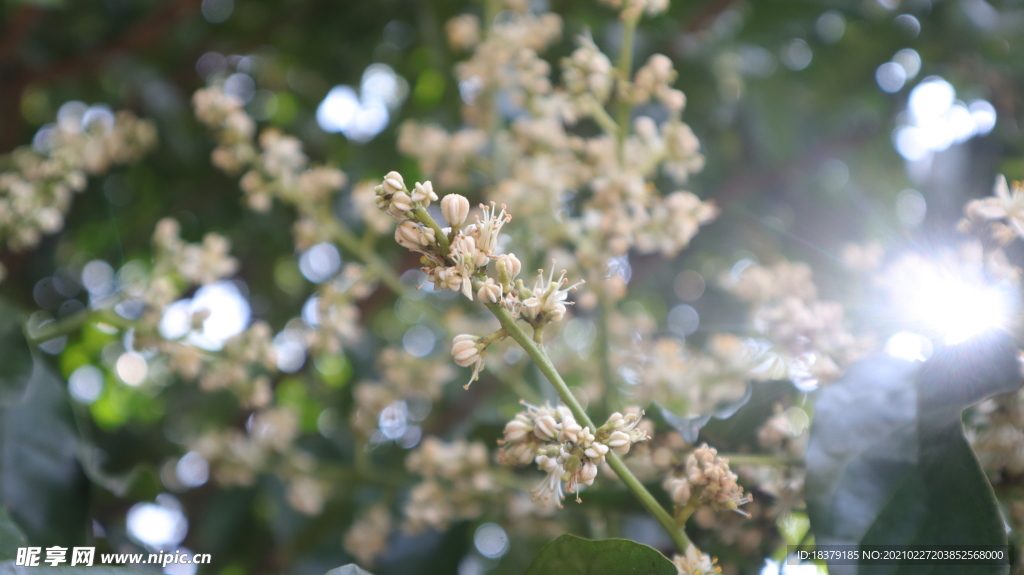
(15, 357)
(570, 555)
(888, 462)
(10, 537)
(350, 569)
(689, 427)
(41, 483)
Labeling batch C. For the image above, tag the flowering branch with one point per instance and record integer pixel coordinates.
(540, 357)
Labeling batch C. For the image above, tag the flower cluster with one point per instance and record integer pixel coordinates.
(177, 266)
(1002, 213)
(706, 480)
(267, 445)
(242, 367)
(457, 258)
(198, 264)
(568, 452)
(367, 538)
(997, 436)
(540, 165)
(693, 562)
(810, 341)
(457, 481)
(276, 168)
(402, 379)
(37, 184)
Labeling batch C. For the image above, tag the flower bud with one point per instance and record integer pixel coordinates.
(465, 350)
(516, 430)
(596, 451)
(393, 183)
(587, 473)
(508, 268)
(570, 430)
(455, 209)
(679, 490)
(545, 427)
(413, 236)
(424, 193)
(400, 203)
(489, 291)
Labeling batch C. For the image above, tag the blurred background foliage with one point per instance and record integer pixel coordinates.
(798, 105)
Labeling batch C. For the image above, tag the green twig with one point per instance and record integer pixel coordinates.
(422, 216)
(73, 323)
(767, 460)
(624, 71)
(604, 119)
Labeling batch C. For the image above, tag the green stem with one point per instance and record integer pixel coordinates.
(614, 461)
(624, 70)
(377, 265)
(369, 257)
(747, 459)
(604, 346)
(423, 217)
(73, 323)
(604, 119)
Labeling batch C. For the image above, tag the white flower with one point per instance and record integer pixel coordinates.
(1004, 204)
(424, 193)
(550, 489)
(464, 253)
(548, 298)
(486, 230)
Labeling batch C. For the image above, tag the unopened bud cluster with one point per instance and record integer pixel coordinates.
(457, 480)
(38, 184)
(568, 452)
(706, 480)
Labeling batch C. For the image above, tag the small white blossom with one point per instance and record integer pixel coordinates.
(423, 193)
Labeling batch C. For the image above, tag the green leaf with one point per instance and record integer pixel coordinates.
(10, 537)
(15, 357)
(350, 569)
(888, 462)
(41, 482)
(689, 427)
(571, 555)
(9, 568)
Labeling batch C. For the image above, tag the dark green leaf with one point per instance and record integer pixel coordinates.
(351, 569)
(888, 462)
(41, 482)
(570, 555)
(9, 568)
(10, 537)
(15, 357)
(689, 427)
